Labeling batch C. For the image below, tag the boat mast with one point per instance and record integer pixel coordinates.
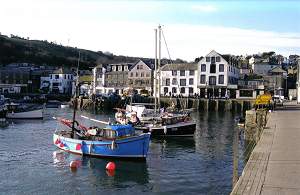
(155, 72)
(75, 101)
(159, 57)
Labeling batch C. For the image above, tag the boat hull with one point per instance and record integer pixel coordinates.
(132, 147)
(34, 114)
(179, 129)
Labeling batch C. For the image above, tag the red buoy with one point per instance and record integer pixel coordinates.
(110, 173)
(78, 147)
(111, 166)
(61, 145)
(57, 141)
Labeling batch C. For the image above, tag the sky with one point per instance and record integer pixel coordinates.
(126, 27)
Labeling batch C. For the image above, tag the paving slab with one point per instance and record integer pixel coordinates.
(274, 165)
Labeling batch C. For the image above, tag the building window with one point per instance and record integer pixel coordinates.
(166, 90)
(203, 67)
(202, 79)
(50, 77)
(141, 67)
(212, 68)
(212, 80)
(182, 90)
(213, 60)
(137, 74)
(174, 81)
(65, 76)
(192, 72)
(131, 74)
(182, 82)
(120, 68)
(218, 59)
(114, 68)
(191, 90)
(56, 76)
(174, 72)
(221, 67)
(167, 82)
(191, 81)
(125, 68)
(182, 73)
(207, 59)
(174, 90)
(142, 74)
(221, 79)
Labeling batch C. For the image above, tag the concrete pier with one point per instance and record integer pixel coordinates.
(274, 165)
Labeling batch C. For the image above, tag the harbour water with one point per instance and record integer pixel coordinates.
(202, 164)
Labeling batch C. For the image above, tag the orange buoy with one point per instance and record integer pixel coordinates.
(75, 164)
(111, 166)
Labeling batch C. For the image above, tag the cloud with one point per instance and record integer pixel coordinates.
(78, 25)
(204, 8)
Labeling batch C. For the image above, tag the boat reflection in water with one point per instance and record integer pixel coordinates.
(127, 171)
(173, 146)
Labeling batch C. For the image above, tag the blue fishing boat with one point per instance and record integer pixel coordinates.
(120, 141)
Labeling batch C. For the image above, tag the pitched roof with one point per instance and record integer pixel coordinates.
(149, 63)
(277, 70)
(184, 66)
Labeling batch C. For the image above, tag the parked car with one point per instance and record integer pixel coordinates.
(278, 100)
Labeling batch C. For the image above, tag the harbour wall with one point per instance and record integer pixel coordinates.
(235, 105)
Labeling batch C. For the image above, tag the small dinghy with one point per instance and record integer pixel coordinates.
(19, 111)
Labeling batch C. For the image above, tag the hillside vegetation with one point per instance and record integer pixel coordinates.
(16, 49)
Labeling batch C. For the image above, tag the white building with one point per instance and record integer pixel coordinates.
(179, 79)
(218, 75)
(99, 79)
(60, 81)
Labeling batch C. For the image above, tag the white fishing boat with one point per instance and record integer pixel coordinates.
(18, 111)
